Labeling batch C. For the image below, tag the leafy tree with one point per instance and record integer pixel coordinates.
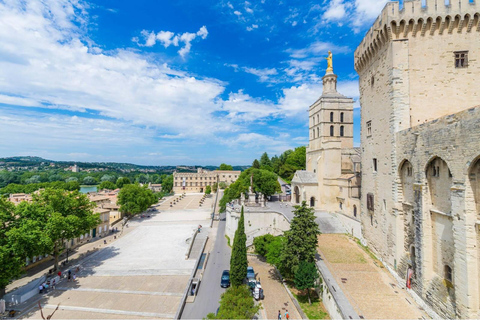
(107, 185)
(208, 190)
(123, 181)
(238, 260)
(71, 179)
(88, 180)
(141, 178)
(108, 177)
(293, 161)
(55, 177)
(261, 243)
(265, 160)
(256, 164)
(167, 183)
(30, 188)
(18, 240)
(214, 187)
(134, 199)
(236, 303)
(61, 215)
(306, 276)
(274, 251)
(265, 182)
(301, 240)
(226, 167)
(33, 179)
(222, 185)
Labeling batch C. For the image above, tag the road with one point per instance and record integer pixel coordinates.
(210, 291)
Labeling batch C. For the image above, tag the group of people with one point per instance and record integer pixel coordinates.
(287, 315)
(71, 276)
(43, 288)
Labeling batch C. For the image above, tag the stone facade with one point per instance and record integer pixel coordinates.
(420, 144)
(331, 180)
(190, 182)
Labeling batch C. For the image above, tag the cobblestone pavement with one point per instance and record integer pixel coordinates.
(142, 275)
(369, 287)
(276, 296)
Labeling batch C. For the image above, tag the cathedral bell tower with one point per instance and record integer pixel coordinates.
(331, 116)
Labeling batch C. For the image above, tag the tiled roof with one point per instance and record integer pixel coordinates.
(304, 177)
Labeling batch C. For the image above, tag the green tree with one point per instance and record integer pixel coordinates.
(214, 187)
(71, 179)
(261, 243)
(141, 178)
(19, 240)
(274, 251)
(55, 177)
(238, 260)
(236, 303)
(265, 182)
(301, 240)
(61, 215)
(256, 164)
(134, 199)
(123, 181)
(33, 179)
(306, 276)
(88, 180)
(108, 177)
(167, 183)
(107, 185)
(265, 160)
(222, 185)
(226, 167)
(208, 190)
(294, 161)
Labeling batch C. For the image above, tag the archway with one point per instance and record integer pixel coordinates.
(354, 210)
(296, 193)
(312, 202)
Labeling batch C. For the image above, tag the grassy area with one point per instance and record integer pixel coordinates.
(316, 310)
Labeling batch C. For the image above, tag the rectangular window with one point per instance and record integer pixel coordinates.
(461, 59)
(374, 164)
(369, 128)
(370, 199)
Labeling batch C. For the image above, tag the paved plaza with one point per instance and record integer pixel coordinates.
(142, 275)
(370, 289)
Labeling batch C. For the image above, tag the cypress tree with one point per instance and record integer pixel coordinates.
(238, 261)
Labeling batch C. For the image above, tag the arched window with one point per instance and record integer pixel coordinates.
(318, 132)
(342, 133)
(313, 134)
(314, 120)
(331, 116)
(354, 210)
(341, 117)
(448, 273)
(331, 131)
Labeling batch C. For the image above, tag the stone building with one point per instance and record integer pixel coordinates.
(331, 180)
(418, 70)
(196, 182)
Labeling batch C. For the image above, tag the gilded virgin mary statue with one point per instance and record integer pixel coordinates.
(330, 62)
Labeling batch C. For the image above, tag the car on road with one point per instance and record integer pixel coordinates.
(225, 282)
(250, 273)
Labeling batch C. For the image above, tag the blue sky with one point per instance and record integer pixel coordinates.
(170, 82)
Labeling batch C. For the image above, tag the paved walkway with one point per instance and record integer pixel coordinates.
(368, 286)
(276, 296)
(142, 275)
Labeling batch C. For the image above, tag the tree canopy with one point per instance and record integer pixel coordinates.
(238, 260)
(107, 184)
(134, 199)
(306, 276)
(59, 216)
(284, 165)
(236, 303)
(123, 181)
(301, 240)
(226, 167)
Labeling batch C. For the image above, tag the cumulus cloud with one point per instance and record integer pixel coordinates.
(365, 11)
(167, 38)
(317, 48)
(264, 75)
(335, 11)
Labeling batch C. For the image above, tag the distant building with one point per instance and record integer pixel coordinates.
(75, 168)
(155, 187)
(192, 182)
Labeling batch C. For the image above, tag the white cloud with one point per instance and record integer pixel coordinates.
(253, 26)
(335, 11)
(236, 12)
(365, 11)
(317, 48)
(262, 74)
(167, 38)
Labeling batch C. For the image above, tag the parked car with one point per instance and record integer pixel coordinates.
(225, 282)
(250, 273)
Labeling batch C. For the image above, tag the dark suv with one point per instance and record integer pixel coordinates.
(225, 282)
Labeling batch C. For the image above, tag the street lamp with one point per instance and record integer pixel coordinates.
(68, 249)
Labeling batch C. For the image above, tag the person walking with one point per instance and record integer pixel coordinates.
(69, 275)
(40, 288)
(287, 315)
(279, 315)
(53, 284)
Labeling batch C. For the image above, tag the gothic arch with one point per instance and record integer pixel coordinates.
(296, 193)
(439, 181)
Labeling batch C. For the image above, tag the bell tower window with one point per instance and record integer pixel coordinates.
(342, 131)
(331, 116)
(341, 117)
(331, 131)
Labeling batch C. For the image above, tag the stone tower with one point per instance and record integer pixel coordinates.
(419, 64)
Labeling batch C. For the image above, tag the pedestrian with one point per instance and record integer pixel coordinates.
(59, 274)
(40, 289)
(69, 275)
(279, 315)
(78, 269)
(45, 287)
(74, 277)
(287, 315)
(53, 284)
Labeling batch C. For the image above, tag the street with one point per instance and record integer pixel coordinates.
(210, 291)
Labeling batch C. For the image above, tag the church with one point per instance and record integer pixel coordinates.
(332, 178)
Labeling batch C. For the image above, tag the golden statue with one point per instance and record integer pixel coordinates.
(330, 62)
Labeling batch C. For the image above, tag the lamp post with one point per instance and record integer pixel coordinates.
(68, 249)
